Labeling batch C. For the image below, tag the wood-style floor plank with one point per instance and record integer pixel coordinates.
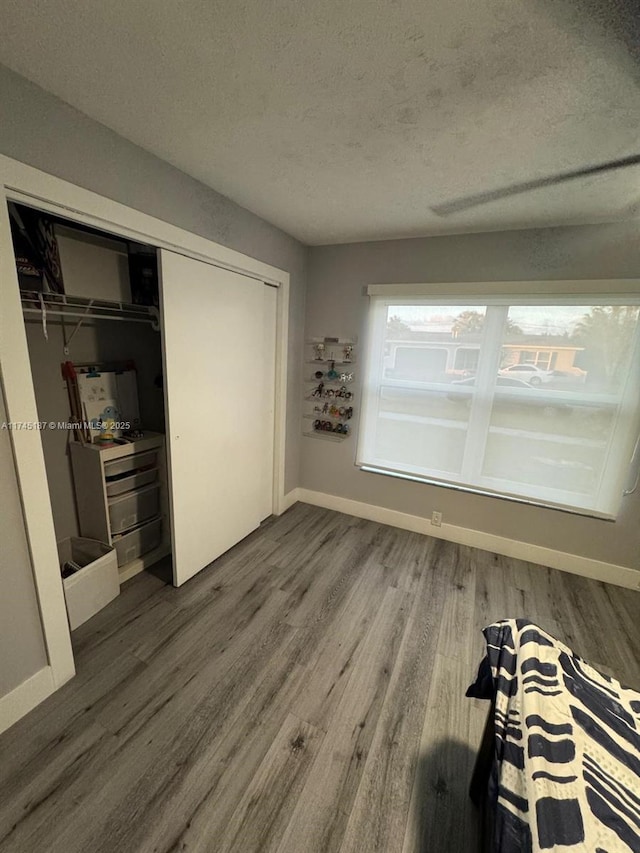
(330, 663)
(303, 693)
(379, 814)
(439, 816)
(265, 808)
(319, 820)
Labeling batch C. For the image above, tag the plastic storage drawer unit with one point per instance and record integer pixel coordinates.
(137, 542)
(133, 508)
(96, 583)
(127, 483)
(130, 463)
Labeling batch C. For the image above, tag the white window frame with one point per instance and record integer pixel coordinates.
(503, 294)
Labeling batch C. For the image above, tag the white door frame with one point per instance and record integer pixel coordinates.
(22, 183)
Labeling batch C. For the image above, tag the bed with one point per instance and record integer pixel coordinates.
(559, 766)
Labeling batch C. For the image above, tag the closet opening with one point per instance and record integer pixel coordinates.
(90, 304)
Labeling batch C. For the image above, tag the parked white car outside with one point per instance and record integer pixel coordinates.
(527, 372)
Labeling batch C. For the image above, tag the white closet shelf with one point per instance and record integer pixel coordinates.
(63, 305)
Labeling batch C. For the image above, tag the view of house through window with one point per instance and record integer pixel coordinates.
(539, 401)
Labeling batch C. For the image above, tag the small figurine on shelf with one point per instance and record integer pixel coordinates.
(347, 352)
(342, 392)
(319, 351)
(332, 373)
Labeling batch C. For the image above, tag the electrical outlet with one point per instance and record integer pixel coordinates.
(436, 519)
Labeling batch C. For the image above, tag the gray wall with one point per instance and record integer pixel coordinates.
(20, 627)
(44, 132)
(336, 305)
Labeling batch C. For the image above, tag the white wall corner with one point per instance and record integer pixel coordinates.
(565, 562)
(289, 500)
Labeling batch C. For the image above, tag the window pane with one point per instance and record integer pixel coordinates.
(547, 444)
(553, 436)
(589, 345)
(431, 343)
(422, 416)
(421, 429)
(540, 401)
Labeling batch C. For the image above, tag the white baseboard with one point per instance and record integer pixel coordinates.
(573, 563)
(25, 697)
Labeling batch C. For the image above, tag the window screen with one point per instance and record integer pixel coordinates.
(538, 401)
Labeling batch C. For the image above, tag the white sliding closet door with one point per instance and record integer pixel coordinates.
(214, 339)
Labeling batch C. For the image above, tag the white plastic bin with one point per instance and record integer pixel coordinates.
(95, 584)
(120, 485)
(133, 508)
(138, 541)
(130, 463)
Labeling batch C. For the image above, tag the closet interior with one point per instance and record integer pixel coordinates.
(154, 376)
(91, 311)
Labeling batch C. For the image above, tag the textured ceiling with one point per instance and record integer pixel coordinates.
(343, 121)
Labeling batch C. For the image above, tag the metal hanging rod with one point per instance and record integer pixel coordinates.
(90, 315)
(61, 305)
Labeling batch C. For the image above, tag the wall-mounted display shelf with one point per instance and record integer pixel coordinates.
(349, 378)
(328, 395)
(331, 436)
(337, 362)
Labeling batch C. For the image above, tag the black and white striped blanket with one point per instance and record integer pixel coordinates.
(566, 774)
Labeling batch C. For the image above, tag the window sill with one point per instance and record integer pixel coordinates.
(585, 513)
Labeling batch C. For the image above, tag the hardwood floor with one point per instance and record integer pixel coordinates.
(304, 693)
